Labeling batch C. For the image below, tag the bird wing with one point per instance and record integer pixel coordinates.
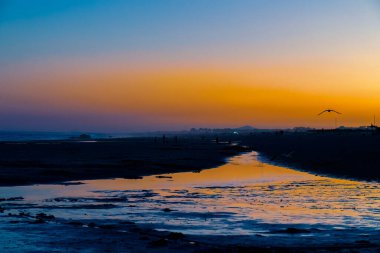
(322, 112)
(336, 111)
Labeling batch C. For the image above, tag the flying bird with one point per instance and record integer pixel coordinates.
(329, 110)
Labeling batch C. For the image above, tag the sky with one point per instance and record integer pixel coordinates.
(141, 65)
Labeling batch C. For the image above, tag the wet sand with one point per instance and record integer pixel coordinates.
(56, 236)
(353, 155)
(24, 163)
(342, 155)
(242, 206)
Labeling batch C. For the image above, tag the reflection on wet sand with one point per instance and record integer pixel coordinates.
(243, 197)
(241, 170)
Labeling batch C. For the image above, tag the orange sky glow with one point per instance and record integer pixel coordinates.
(263, 96)
(256, 64)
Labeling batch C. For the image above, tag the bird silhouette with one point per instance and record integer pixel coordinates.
(329, 110)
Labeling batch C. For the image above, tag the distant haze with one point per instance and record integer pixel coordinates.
(152, 65)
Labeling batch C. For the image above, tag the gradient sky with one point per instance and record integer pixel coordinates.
(136, 65)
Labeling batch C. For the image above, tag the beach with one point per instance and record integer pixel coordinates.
(190, 194)
(31, 162)
(343, 154)
(190, 126)
(243, 205)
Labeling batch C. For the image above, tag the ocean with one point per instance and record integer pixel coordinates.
(39, 135)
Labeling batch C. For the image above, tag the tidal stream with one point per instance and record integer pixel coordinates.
(246, 196)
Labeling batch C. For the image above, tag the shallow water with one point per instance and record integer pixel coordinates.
(243, 197)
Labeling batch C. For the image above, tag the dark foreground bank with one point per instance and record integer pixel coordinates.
(23, 163)
(341, 154)
(22, 232)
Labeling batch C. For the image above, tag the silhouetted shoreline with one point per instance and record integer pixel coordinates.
(342, 154)
(352, 155)
(32, 162)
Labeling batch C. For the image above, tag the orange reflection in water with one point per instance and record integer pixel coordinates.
(252, 190)
(240, 170)
(244, 196)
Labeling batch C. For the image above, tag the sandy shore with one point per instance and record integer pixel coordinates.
(23, 233)
(348, 155)
(60, 161)
(342, 154)
(23, 163)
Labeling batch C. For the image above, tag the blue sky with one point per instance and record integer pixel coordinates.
(323, 44)
(35, 29)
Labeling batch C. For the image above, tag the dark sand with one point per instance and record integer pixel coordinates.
(353, 155)
(341, 154)
(23, 163)
(21, 233)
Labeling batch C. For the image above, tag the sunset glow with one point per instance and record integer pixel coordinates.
(157, 65)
